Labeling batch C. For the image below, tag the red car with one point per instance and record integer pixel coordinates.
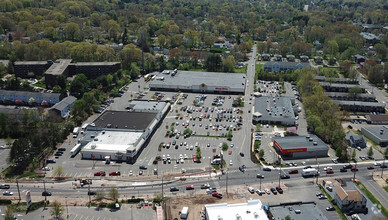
(217, 195)
(292, 171)
(354, 169)
(115, 173)
(190, 187)
(370, 168)
(100, 173)
(194, 158)
(329, 171)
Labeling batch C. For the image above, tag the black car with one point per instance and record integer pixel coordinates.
(266, 169)
(62, 149)
(383, 166)
(343, 170)
(59, 153)
(280, 190)
(143, 167)
(46, 193)
(51, 161)
(173, 189)
(260, 176)
(349, 166)
(273, 190)
(241, 154)
(4, 186)
(242, 169)
(91, 193)
(330, 208)
(285, 176)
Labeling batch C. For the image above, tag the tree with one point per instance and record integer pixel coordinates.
(332, 47)
(370, 151)
(381, 51)
(213, 63)
(9, 213)
(198, 155)
(261, 153)
(288, 218)
(71, 30)
(225, 146)
(228, 64)
(58, 171)
(79, 85)
(354, 154)
(100, 195)
(230, 135)
(114, 194)
(354, 91)
(57, 209)
(134, 72)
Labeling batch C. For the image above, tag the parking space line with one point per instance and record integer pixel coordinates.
(81, 217)
(75, 217)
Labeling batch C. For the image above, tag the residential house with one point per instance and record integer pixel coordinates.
(62, 108)
(265, 57)
(354, 140)
(290, 58)
(318, 59)
(350, 201)
(304, 59)
(25, 98)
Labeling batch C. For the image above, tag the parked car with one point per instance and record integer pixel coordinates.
(273, 190)
(211, 190)
(51, 161)
(266, 169)
(140, 172)
(91, 193)
(259, 192)
(241, 154)
(267, 191)
(46, 193)
(242, 168)
(114, 173)
(322, 197)
(348, 166)
(100, 173)
(370, 168)
(217, 195)
(342, 170)
(46, 169)
(383, 166)
(251, 190)
(293, 171)
(142, 167)
(4, 186)
(279, 189)
(205, 186)
(354, 169)
(330, 208)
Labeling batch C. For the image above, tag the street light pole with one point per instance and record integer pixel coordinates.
(354, 172)
(45, 194)
(382, 168)
(280, 169)
(67, 209)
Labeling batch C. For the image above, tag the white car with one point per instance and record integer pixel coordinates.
(267, 191)
(7, 193)
(327, 168)
(230, 163)
(187, 147)
(46, 169)
(180, 156)
(130, 173)
(185, 143)
(191, 147)
(182, 161)
(185, 156)
(377, 164)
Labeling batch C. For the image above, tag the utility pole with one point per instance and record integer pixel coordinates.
(354, 172)
(45, 194)
(227, 184)
(90, 201)
(260, 184)
(17, 184)
(382, 168)
(280, 169)
(67, 210)
(142, 54)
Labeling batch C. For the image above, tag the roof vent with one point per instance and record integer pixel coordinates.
(315, 143)
(311, 139)
(308, 137)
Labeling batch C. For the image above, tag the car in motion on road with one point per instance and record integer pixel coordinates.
(285, 176)
(91, 193)
(46, 193)
(293, 171)
(143, 167)
(7, 193)
(205, 186)
(190, 187)
(329, 171)
(114, 173)
(267, 169)
(260, 176)
(4, 186)
(174, 189)
(330, 208)
(100, 173)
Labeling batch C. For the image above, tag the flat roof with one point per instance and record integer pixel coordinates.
(287, 64)
(340, 85)
(252, 209)
(307, 212)
(147, 105)
(30, 94)
(113, 141)
(187, 79)
(58, 67)
(30, 62)
(376, 131)
(274, 108)
(95, 63)
(359, 103)
(345, 94)
(294, 142)
(380, 117)
(125, 120)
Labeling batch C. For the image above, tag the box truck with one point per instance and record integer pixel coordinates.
(309, 172)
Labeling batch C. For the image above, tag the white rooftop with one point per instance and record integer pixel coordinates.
(114, 141)
(252, 209)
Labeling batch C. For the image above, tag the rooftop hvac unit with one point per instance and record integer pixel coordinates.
(93, 146)
(311, 139)
(315, 143)
(238, 217)
(308, 137)
(219, 218)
